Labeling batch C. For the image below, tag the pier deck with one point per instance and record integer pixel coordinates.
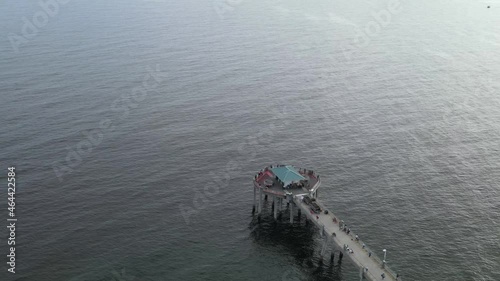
(360, 256)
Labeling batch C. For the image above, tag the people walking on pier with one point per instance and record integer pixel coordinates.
(383, 275)
(369, 254)
(357, 238)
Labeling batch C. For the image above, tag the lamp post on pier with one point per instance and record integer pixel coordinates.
(385, 255)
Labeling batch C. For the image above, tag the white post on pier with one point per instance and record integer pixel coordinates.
(385, 254)
(260, 200)
(275, 200)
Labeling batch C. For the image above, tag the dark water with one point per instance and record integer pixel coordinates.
(401, 119)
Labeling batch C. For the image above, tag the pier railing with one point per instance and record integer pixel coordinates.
(373, 256)
(366, 273)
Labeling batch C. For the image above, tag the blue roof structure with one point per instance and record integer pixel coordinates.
(287, 174)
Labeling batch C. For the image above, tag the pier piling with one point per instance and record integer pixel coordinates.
(254, 200)
(260, 200)
(275, 200)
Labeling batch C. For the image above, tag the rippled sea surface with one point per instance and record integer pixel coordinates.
(395, 104)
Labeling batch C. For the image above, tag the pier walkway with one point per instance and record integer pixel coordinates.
(360, 255)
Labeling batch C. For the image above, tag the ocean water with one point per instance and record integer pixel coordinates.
(136, 128)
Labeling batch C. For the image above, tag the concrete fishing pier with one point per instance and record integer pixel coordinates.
(298, 188)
